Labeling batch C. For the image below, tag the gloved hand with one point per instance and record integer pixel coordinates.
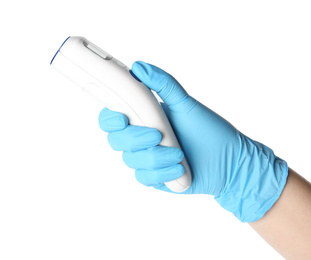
(245, 176)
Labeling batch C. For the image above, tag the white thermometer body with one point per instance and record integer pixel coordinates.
(113, 84)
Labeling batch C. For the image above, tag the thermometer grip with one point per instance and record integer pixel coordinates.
(150, 114)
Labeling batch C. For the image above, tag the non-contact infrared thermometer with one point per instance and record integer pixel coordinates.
(114, 85)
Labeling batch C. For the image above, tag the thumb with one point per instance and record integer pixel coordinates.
(165, 85)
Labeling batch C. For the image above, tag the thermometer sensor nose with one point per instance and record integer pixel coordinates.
(58, 50)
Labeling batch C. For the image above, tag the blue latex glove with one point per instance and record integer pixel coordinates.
(245, 176)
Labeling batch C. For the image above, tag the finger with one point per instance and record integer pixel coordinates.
(134, 138)
(153, 158)
(159, 176)
(166, 86)
(112, 121)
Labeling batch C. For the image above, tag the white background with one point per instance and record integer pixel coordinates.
(64, 194)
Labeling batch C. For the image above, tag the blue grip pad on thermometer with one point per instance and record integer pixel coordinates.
(114, 86)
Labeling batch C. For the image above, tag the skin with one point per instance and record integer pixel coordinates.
(287, 225)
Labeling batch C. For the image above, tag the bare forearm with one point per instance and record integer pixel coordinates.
(287, 225)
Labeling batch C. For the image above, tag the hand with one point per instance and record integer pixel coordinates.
(245, 176)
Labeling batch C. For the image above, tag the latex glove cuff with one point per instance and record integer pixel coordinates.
(256, 183)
